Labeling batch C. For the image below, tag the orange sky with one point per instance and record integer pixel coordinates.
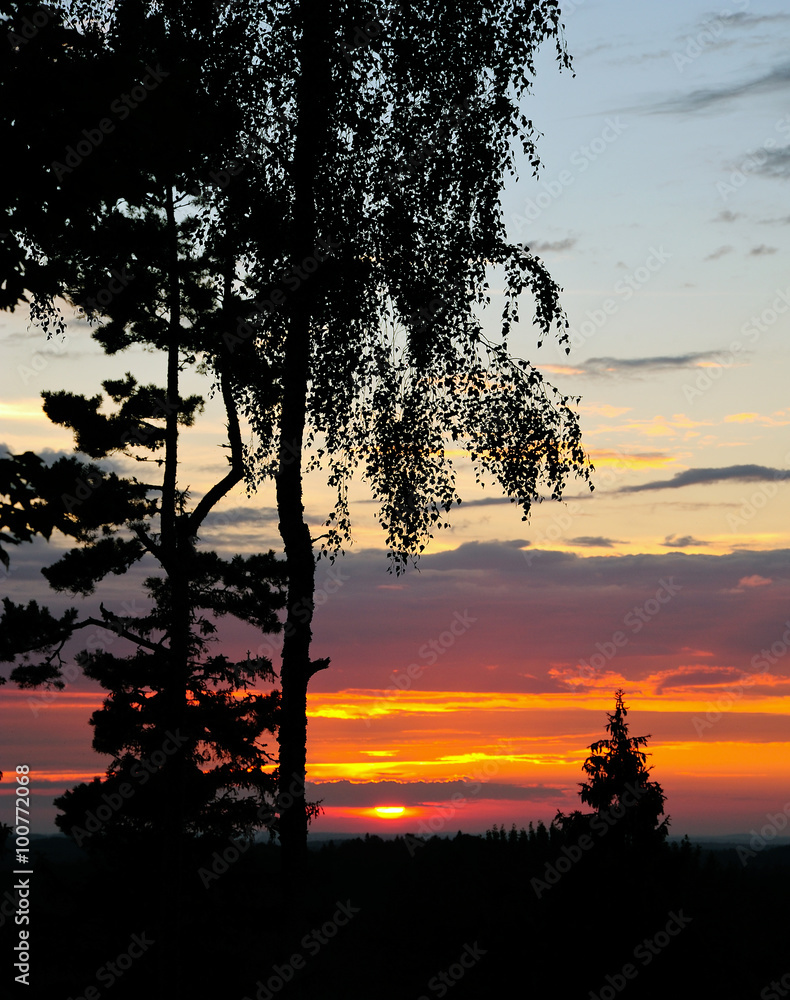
(466, 760)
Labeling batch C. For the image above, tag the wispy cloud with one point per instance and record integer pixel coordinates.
(682, 541)
(776, 164)
(719, 252)
(775, 80)
(762, 250)
(607, 366)
(240, 515)
(596, 541)
(695, 477)
(481, 502)
(741, 19)
(782, 220)
(692, 677)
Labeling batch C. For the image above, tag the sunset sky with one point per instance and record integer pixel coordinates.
(662, 210)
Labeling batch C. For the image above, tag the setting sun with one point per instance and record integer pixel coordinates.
(389, 812)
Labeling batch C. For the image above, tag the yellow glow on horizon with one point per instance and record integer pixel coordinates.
(23, 409)
(46, 778)
(675, 762)
(679, 764)
(389, 812)
(372, 704)
(603, 459)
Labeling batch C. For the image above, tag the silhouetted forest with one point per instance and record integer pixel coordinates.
(410, 910)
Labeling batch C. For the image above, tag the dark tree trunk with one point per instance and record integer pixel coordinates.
(297, 668)
(175, 562)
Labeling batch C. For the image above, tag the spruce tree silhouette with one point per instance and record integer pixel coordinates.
(619, 784)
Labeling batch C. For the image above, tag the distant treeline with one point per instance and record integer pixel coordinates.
(464, 916)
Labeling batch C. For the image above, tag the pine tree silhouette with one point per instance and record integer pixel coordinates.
(619, 783)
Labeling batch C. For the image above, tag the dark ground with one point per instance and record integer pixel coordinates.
(402, 919)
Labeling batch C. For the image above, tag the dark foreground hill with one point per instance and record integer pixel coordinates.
(463, 917)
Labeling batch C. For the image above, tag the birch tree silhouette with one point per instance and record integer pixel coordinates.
(392, 144)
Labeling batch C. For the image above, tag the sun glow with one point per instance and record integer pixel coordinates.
(389, 812)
